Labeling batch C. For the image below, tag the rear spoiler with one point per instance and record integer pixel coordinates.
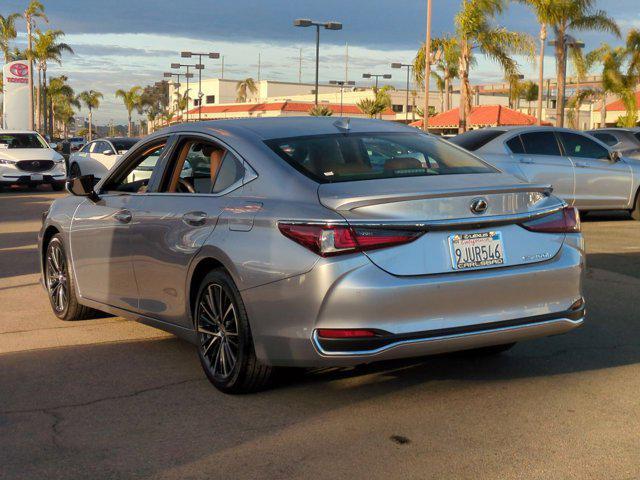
(346, 204)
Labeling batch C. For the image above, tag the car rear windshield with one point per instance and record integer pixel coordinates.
(21, 140)
(123, 145)
(637, 135)
(475, 139)
(349, 157)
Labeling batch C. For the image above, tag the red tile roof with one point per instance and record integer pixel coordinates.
(280, 106)
(618, 106)
(482, 116)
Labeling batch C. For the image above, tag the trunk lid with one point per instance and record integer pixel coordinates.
(440, 205)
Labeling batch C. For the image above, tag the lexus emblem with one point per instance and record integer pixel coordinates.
(36, 164)
(478, 206)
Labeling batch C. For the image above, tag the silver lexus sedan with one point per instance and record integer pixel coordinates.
(314, 242)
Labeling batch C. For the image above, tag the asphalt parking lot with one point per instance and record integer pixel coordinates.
(109, 398)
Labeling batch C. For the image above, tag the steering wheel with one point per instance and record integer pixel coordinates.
(186, 185)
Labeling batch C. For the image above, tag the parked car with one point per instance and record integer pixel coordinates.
(26, 158)
(76, 143)
(99, 156)
(583, 171)
(292, 249)
(624, 140)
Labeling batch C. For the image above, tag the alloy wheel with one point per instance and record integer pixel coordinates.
(217, 327)
(57, 282)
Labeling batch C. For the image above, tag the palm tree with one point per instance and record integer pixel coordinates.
(131, 99)
(529, 91)
(45, 49)
(62, 100)
(447, 66)
(515, 89)
(475, 31)
(91, 99)
(7, 33)
(245, 88)
(375, 106)
(34, 10)
(320, 111)
(566, 16)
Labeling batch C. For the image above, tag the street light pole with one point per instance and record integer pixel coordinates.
(187, 76)
(200, 67)
(427, 73)
(342, 83)
(376, 76)
(406, 104)
(176, 84)
(305, 22)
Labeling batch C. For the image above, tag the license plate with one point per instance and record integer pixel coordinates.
(36, 178)
(473, 250)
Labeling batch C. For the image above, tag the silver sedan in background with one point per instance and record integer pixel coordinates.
(624, 140)
(583, 171)
(314, 242)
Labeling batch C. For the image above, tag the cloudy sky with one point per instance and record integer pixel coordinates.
(120, 43)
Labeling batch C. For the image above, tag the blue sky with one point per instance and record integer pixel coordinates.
(119, 43)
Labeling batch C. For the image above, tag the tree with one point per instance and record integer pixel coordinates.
(375, 106)
(245, 88)
(446, 68)
(566, 16)
(46, 49)
(320, 111)
(132, 100)
(529, 92)
(62, 101)
(34, 10)
(476, 32)
(91, 99)
(7, 33)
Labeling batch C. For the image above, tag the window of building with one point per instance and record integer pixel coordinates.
(196, 102)
(397, 108)
(211, 99)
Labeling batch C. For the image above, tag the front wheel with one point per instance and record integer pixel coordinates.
(225, 345)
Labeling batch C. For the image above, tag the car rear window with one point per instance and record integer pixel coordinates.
(637, 135)
(475, 139)
(122, 146)
(349, 157)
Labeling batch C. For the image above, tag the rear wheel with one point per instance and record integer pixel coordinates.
(60, 283)
(74, 171)
(225, 345)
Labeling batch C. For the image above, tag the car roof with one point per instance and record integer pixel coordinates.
(616, 129)
(283, 127)
(117, 139)
(17, 131)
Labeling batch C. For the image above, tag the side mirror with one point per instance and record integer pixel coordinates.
(83, 187)
(615, 156)
(108, 152)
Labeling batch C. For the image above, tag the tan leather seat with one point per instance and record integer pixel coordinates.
(216, 163)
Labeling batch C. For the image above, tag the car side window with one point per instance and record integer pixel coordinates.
(231, 172)
(135, 178)
(86, 148)
(515, 145)
(606, 138)
(540, 143)
(95, 147)
(581, 146)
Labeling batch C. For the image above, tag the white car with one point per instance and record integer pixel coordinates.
(26, 158)
(97, 157)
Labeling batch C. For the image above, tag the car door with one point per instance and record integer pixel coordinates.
(104, 157)
(600, 182)
(175, 221)
(100, 235)
(540, 159)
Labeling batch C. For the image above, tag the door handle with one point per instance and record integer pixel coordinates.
(123, 216)
(526, 160)
(194, 218)
(581, 165)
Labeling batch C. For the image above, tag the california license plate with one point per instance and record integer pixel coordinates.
(36, 178)
(473, 250)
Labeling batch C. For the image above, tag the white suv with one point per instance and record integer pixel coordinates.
(26, 158)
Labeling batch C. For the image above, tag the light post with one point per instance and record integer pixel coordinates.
(342, 83)
(427, 70)
(376, 76)
(406, 104)
(188, 75)
(305, 22)
(200, 67)
(569, 41)
(177, 83)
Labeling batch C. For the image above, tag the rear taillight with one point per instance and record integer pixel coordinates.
(566, 220)
(327, 240)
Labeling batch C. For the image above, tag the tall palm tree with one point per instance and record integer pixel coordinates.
(62, 99)
(446, 68)
(132, 101)
(245, 88)
(7, 33)
(34, 11)
(529, 92)
(476, 32)
(46, 48)
(566, 16)
(91, 99)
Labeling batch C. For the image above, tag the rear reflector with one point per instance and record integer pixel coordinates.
(327, 240)
(566, 220)
(344, 333)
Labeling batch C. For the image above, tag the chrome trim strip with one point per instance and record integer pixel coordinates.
(360, 353)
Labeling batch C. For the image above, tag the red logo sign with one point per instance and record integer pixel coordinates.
(19, 69)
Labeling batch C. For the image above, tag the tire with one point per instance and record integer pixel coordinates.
(225, 347)
(635, 213)
(57, 187)
(74, 170)
(58, 275)
(489, 351)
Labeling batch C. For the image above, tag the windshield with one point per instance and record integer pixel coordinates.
(349, 157)
(21, 140)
